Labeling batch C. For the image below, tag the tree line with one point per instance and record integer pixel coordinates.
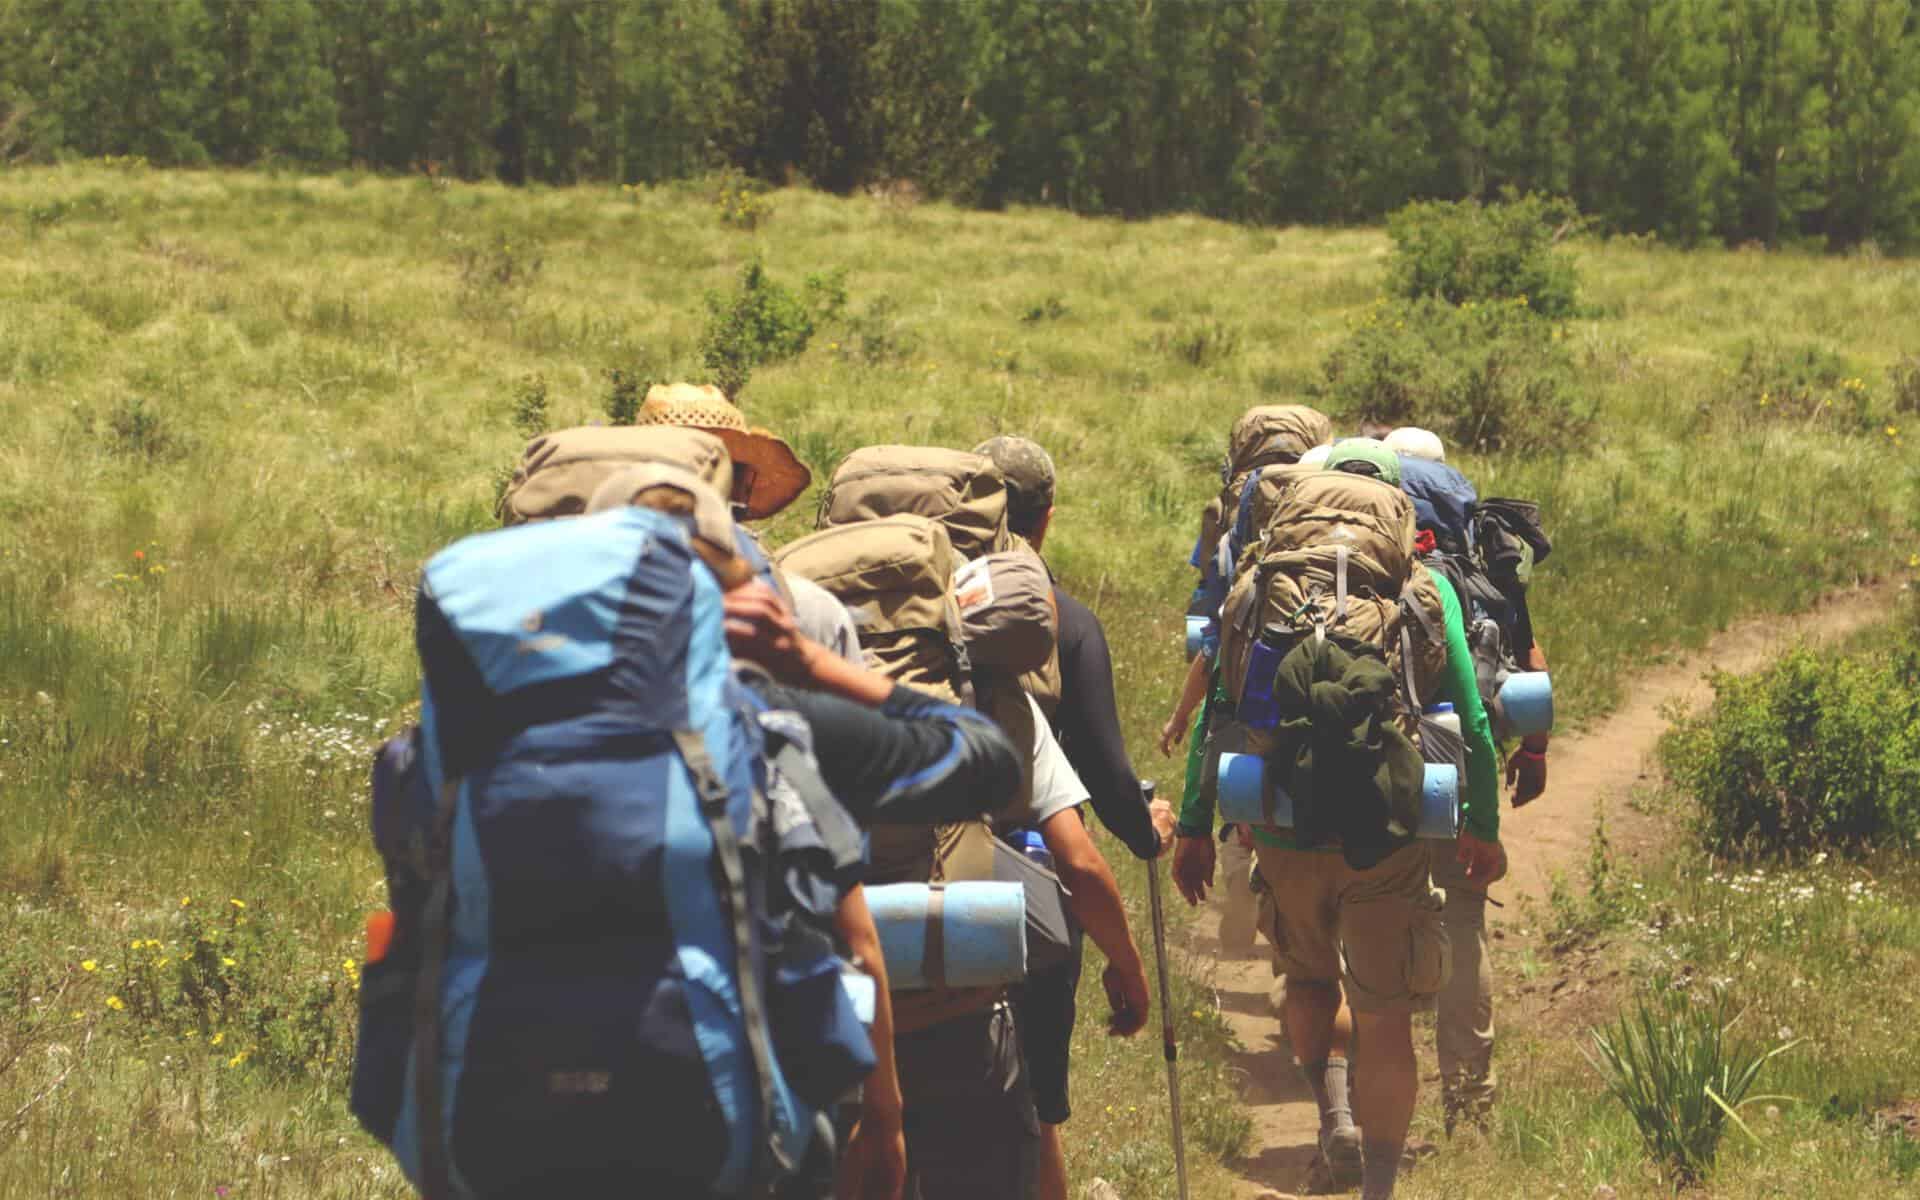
(1741, 120)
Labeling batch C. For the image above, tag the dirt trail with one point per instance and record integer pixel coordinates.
(1599, 766)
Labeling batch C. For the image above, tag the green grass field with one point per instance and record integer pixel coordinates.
(241, 409)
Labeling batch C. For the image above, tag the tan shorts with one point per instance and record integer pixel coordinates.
(1379, 931)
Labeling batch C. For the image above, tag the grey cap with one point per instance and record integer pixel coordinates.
(1029, 474)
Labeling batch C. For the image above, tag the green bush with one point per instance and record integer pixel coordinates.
(1461, 251)
(1486, 376)
(762, 322)
(1671, 1061)
(1819, 750)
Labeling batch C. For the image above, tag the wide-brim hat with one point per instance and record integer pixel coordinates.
(767, 474)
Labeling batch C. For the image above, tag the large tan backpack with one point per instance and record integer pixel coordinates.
(966, 493)
(558, 472)
(1338, 558)
(1272, 484)
(963, 491)
(896, 576)
(1266, 434)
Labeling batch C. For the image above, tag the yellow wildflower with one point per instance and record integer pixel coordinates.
(238, 903)
(185, 900)
(217, 1038)
(227, 962)
(89, 966)
(237, 1059)
(116, 1003)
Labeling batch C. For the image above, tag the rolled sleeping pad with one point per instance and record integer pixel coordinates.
(1525, 703)
(1196, 629)
(979, 939)
(1242, 787)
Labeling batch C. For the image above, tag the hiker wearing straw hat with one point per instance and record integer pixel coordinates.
(767, 476)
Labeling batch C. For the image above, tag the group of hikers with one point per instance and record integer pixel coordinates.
(715, 872)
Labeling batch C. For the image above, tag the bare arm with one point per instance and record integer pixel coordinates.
(875, 1163)
(1192, 692)
(1094, 900)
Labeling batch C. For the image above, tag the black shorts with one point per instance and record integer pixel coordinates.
(971, 1132)
(1047, 1013)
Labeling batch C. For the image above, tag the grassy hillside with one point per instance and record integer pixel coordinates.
(240, 410)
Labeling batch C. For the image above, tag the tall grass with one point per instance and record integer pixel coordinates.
(286, 393)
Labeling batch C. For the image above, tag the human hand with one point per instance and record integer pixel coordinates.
(761, 631)
(1193, 867)
(1160, 812)
(1171, 733)
(1486, 862)
(1526, 774)
(1127, 996)
(874, 1163)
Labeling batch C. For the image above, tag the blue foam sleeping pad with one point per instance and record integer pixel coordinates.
(1242, 800)
(1525, 703)
(983, 927)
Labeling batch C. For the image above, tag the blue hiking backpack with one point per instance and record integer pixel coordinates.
(608, 973)
(1443, 501)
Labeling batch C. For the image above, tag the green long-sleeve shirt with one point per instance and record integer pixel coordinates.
(1480, 808)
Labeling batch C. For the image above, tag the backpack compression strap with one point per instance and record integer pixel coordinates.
(435, 1171)
(726, 849)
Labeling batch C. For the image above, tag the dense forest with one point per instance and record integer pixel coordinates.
(1743, 120)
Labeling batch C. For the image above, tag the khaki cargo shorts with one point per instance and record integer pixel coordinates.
(1379, 930)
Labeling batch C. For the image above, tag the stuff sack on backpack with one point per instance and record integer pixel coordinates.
(1264, 435)
(1444, 501)
(606, 991)
(1007, 613)
(963, 491)
(558, 472)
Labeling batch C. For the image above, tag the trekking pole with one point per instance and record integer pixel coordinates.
(1168, 1041)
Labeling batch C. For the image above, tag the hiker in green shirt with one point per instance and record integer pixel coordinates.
(1375, 927)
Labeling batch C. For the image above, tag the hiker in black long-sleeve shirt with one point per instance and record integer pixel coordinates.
(1088, 726)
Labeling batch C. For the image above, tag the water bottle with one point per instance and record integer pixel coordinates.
(1035, 848)
(1258, 708)
(1443, 715)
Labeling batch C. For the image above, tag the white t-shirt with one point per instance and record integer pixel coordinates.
(1056, 785)
(820, 616)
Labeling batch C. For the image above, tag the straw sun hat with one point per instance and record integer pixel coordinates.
(767, 474)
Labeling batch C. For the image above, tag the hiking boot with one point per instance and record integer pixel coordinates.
(1340, 1150)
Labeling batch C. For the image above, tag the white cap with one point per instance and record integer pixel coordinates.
(1316, 457)
(1416, 443)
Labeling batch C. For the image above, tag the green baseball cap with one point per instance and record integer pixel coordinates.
(1365, 456)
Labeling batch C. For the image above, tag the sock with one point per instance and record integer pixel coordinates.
(1328, 1081)
(1379, 1169)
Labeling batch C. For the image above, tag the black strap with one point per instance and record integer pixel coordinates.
(933, 962)
(435, 1168)
(713, 795)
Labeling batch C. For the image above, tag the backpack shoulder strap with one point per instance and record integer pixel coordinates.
(436, 1180)
(712, 790)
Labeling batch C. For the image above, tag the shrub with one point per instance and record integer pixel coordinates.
(1819, 750)
(1486, 376)
(762, 322)
(495, 272)
(137, 429)
(1050, 309)
(1681, 1075)
(1905, 378)
(530, 405)
(1775, 383)
(1202, 343)
(1461, 251)
(876, 336)
(625, 389)
(742, 203)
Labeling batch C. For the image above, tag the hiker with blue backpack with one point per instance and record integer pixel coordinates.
(1486, 551)
(1324, 731)
(616, 866)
